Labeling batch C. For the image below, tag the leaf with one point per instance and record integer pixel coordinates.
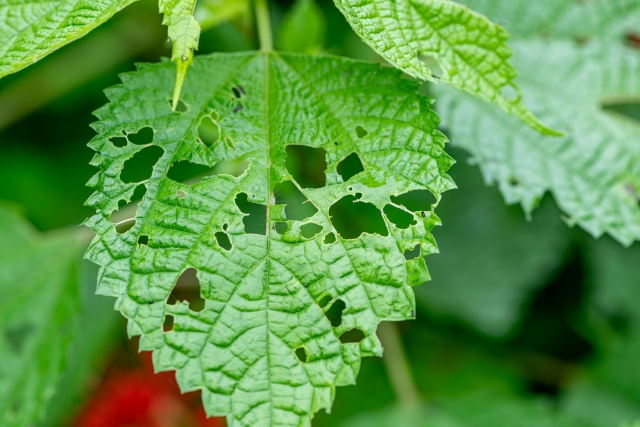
(184, 33)
(303, 28)
(263, 351)
(210, 13)
(594, 172)
(471, 51)
(30, 30)
(38, 314)
(491, 258)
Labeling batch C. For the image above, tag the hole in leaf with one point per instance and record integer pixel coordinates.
(432, 63)
(125, 225)
(143, 137)
(181, 194)
(307, 165)
(628, 109)
(301, 354)
(140, 167)
(416, 200)
(234, 167)
(184, 170)
(181, 107)
(352, 336)
(350, 166)
(297, 208)
(223, 240)
(119, 141)
(209, 131)
(399, 217)
(324, 301)
(167, 325)
(310, 230)
(334, 313)
(187, 288)
(361, 132)
(236, 92)
(143, 239)
(229, 142)
(351, 218)
(255, 222)
(413, 253)
(330, 238)
(281, 227)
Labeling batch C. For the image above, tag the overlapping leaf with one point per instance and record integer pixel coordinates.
(593, 172)
(470, 50)
(262, 350)
(30, 30)
(38, 313)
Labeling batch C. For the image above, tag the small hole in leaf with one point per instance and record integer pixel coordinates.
(140, 167)
(351, 218)
(324, 301)
(143, 240)
(187, 288)
(119, 141)
(350, 166)
(513, 181)
(361, 132)
(229, 142)
(167, 325)
(297, 208)
(352, 336)
(223, 240)
(400, 218)
(143, 137)
(181, 107)
(310, 230)
(334, 313)
(301, 354)
(414, 201)
(413, 253)
(125, 225)
(236, 92)
(225, 227)
(307, 165)
(281, 227)
(330, 238)
(209, 131)
(180, 194)
(255, 222)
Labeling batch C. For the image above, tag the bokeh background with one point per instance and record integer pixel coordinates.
(523, 320)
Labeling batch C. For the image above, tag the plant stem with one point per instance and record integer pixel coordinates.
(395, 362)
(263, 18)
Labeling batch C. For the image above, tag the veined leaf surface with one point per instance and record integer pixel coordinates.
(263, 350)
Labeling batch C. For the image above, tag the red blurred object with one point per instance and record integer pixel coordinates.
(139, 398)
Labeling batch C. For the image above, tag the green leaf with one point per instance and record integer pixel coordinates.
(593, 172)
(210, 13)
(38, 314)
(470, 51)
(303, 28)
(263, 350)
(30, 30)
(491, 258)
(184, 33)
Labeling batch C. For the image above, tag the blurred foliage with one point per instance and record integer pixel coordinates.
(522, 318)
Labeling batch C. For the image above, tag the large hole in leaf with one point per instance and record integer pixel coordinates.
(186, 171)
(334, 313)
(310, 230)
(119, 141)
(351, 218)
(140, 167)
(143, 137)
(417, 200)
(297, 208)
(352, 336)
(187, 288)
(301, 354)
(255, 222)
(167, 324)
(399, 217)
(307, 165)
(281, 227)
(350, 166)
(209, 131)
(223, 240)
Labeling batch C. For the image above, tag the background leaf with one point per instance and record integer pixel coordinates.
(303, 29)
